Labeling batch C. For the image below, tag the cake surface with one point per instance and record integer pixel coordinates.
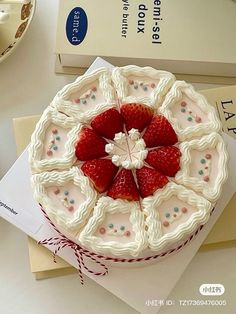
(128, 162)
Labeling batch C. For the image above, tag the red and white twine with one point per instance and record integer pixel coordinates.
(62, 241)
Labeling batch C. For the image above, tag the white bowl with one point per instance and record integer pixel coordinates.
(15, 19)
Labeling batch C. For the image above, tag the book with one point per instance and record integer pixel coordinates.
(178, 36)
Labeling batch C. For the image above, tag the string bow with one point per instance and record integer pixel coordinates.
(61, 241)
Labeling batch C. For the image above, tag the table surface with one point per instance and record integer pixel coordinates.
(27, 84)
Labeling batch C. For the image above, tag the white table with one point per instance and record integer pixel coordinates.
(27, 84)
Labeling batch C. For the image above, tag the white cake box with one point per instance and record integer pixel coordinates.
(177, 36)
(19, 208)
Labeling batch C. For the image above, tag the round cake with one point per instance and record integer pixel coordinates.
(128, 162)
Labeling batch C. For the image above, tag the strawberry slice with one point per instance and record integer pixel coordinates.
(136, 116)
(149, 180)
(124, 186)
(108, 123)
(101, 172)
(90, 145)
(165, 159)
(159, 133)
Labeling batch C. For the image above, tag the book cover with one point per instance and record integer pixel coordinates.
(191, 37)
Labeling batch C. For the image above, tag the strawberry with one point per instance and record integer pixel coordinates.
(136, 116)
(124, 186)
(149, 180)
(90, 145)
(165, 159)
(101, 172)
(159, 133)
(108, 123)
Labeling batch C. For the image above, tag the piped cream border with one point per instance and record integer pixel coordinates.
(109, 205)
(66, 106)
(213, 140)
(120, 79)
(106, 204)
(174, 95)
(43, 180)
(158, 241)
(49, 116)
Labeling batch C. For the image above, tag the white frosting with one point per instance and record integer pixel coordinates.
(163, 80)
(158, 240)
(72, 221)
(210, 191)
(203, 168)
(128, 151)
(108, 205)
(36, 148)
(63, 103)
(177, 92)
(120, 138)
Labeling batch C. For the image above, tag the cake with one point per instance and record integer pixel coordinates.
(128, 162)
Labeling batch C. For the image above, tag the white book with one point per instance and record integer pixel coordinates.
(188, 37)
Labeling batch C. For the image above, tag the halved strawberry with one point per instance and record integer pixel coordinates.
(101, 172)
(149, 180)
(124, 186)
(165, 159)
(108, 123)
(90, 145)
(136, 116)
(160, 133)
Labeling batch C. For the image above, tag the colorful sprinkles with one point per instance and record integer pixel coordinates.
(205, 172)
(127, 233)
(102, 230)
(90, 94)
(53, 143)
(64, 199)
(145, 86)
(113, 231)
(184, 210)
(191, 115)
(171, 217)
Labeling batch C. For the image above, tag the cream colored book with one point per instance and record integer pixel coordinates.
(187, 37)
(224, 100)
